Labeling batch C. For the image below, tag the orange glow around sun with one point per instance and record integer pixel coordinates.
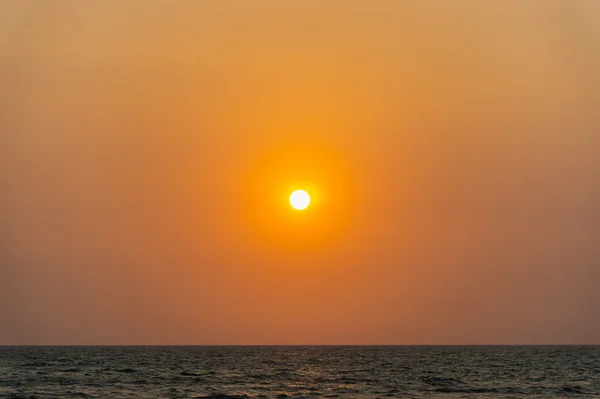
(297, 178)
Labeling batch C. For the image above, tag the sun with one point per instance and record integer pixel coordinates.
(299, 200)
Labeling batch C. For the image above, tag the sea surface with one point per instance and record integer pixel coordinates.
(300, 372)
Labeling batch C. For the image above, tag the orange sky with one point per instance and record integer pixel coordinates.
(147, 150)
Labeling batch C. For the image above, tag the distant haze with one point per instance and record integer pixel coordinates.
(453, 147)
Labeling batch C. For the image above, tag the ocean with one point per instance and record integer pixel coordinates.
(225, 372)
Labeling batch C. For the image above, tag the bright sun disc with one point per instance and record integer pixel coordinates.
(300, 199)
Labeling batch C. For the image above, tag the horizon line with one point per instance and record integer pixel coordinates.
(278, 345)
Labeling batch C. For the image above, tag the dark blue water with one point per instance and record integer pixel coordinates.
(299, 372)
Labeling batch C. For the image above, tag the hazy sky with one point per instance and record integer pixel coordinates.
(451, 148)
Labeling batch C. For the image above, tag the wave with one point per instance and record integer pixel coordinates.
(127, 370)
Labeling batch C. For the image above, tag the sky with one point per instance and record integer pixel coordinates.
(147, 149)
